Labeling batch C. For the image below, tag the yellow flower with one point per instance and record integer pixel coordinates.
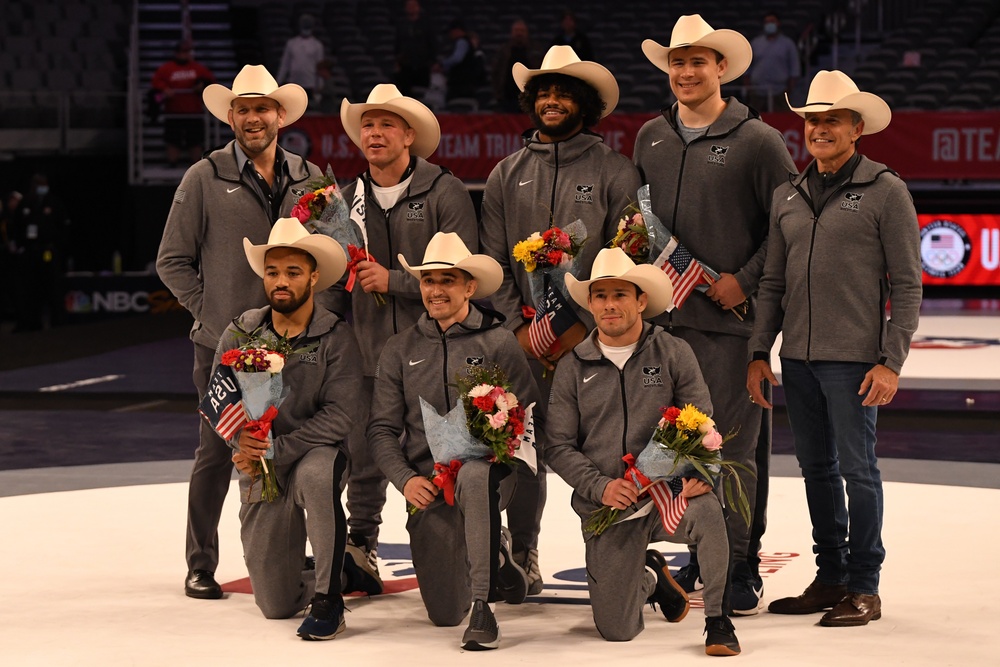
(523, 250)
(690, 418)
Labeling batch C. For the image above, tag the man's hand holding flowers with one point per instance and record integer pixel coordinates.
(252, 448)
(373, 277)
(620, 494)
(420, 492)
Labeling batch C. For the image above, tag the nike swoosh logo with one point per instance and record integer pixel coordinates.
(588, 379)
(657, 141)
(791, 196)
(232, 190)
(520, 183)
(414, 363)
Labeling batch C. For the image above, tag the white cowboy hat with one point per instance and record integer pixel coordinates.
(613, 263)
(835, 90)
(446, 250)
(692, 30)
(563, 60)
(387, 97)
(289, 232)
(256, 81)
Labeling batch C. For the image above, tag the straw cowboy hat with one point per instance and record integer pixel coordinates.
(386, 97)
(289, 233)
(563, 60)
(256, 81)
(692, 30)
(836, 90)
(446, 250)
(613, 263)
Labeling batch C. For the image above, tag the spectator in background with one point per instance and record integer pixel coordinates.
(178, 84)
(302, 54)
(416, 49)
(775, 65)
(568, 35)
(463, 65)
(518, 49)
(38, 231)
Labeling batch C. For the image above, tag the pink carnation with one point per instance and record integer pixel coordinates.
(301, 212)
(498, 419)
(712, 440)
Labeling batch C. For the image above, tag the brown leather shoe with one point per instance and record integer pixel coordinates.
(854, 609)
(817, 597)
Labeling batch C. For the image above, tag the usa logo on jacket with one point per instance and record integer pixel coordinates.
(852, 201)
(584, 193)
(415, 210)
(651, 376)
(717, 155)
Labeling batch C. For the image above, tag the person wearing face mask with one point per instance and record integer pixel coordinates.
(302, 53)
(775, 67)
(178, 84)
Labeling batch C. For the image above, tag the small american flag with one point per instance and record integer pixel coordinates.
(222, 405)
(670, 505)
(944, 241)
(552, 318)
(684, 271)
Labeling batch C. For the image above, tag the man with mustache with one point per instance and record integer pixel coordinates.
(564, 173)
(236, 191)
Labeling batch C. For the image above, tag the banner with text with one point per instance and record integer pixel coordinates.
(918, 145)
(960, 249)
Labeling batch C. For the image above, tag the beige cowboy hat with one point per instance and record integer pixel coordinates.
(563, 60)
(613, 263)
(446, 250)
(289, 233)
(835, 90)
(256, 81)
(692, 30)
(387, 97)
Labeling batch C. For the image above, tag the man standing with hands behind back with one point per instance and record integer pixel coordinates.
(236, 191)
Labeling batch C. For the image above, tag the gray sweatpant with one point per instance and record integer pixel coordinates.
(274, 535)
(210, 476)
(723, 361)
(366, 484)
(524, 514)
(616, 561)
(455, 548)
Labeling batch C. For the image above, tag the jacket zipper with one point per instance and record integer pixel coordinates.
(386, 214)
(621, 382)
(555, 182)
(444, 368)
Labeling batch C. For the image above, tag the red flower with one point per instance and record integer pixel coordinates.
(230, 357)
(670, 414)
(484, 403)
(554, 257)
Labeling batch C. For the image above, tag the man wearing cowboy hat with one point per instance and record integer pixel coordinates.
(238, 190)
(563, 173)
(712, 165)
(844, 241)
(607, 398)
(307, 437)
(401, 201)
(461, 553)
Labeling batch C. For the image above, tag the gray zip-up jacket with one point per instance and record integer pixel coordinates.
(578, 178)
(436, 201)
(322, 379)
(598, 413)
(828, 277)
(201, 258)
(715, 195)
(422, 362)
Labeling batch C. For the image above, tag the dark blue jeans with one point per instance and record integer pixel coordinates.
(835, 443)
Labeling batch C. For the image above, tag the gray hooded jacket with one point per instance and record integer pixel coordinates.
(828, 277)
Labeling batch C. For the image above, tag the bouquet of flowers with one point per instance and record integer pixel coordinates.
(323, 210)
(245, 392)
(487, 422)
(646, 241)
(684, 443)
(548, 257)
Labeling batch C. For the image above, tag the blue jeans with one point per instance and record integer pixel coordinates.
(835, 443)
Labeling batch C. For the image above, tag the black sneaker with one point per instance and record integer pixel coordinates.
(668, 594)
(361, 569)
(721, 639)
(747, 591)
(528, 560)
(513, 584)
(483, 632)
(689, 578)
(325, 619)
